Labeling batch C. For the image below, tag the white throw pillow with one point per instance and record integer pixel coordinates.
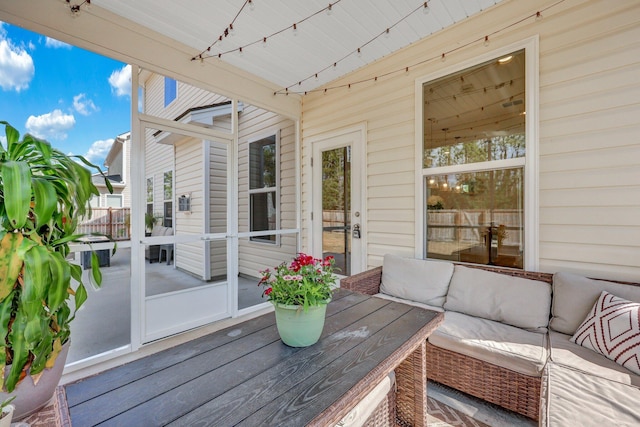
(416, 279)
(612, 328)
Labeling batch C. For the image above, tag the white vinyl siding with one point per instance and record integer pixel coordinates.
(589, 120)
(218, 207)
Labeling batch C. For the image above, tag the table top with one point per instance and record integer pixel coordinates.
(244, 375)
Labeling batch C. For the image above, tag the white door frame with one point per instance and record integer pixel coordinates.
(335, 139)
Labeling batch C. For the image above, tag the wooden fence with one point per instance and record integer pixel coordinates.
(112, 222)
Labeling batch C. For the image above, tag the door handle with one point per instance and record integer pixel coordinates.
(356, 231)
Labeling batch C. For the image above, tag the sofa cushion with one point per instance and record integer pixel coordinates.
(566, 353)
(409, 302)
(363, 409)
(516, 301)
(493, 342)
(577, 398)
(612, 328)
(418, 280)
(574, 296)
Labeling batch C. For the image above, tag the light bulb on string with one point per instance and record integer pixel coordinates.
(295, 29)
(231, 30)
(329, 10)
(386, 33)
(426, 9)
(359, 53)
(264, 42)
(252, 5)
(486, 41)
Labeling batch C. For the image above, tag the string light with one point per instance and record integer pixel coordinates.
(426, 9)
(262, 41)
(486, 41)
(75, 8)
(537, 15)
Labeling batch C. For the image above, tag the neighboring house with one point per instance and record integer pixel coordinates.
(117, 164)
(180, 167)
(112, 210)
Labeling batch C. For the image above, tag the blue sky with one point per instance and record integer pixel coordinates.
(77, 100)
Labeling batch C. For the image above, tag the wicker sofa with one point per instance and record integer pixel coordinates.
(505, 340)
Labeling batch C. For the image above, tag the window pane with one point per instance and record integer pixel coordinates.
(476, 217)
(168, 185)
(476, 115)
(167, 220)
(170, 90)
(263, 214)
(114, 201)
(149, 190)
(262, 160)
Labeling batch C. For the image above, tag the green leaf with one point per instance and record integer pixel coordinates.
(95, 269)
(61, 278)
(81, 296)
(10, 262)
(17, 192)
(20, 351)
(37, 275)
(45, 200)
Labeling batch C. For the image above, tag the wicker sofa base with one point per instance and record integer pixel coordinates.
(485, 381)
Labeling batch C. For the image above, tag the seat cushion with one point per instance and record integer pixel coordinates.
(576, 398)
(409, 302)
(493, 342)
(516, 301)
(574, 296)
(363, 410)
(566, 353)
(418, 280)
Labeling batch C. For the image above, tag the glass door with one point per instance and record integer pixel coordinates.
(337, 216)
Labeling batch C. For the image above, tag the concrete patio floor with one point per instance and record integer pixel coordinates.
(104, 321)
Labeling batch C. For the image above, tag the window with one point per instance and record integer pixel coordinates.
(114, 200)
(170, 90)
(150, 196)
(474, 148)
(263, 193)
(167, 217)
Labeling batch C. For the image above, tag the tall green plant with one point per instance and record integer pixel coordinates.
(43, 195)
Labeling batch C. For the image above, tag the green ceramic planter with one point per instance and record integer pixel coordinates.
(297, 327)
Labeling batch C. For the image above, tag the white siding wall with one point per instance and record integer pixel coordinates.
(589, 163)
(254, 124)
(218, 207)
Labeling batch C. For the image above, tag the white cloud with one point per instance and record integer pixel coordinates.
(52, 125)
(3, 139)
(120, 81)
(98, 151)
(16, 66)
(84, 105)
(56, 44)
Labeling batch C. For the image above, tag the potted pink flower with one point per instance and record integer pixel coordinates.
(300, 291)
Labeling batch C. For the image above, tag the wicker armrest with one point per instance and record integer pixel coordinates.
(367, 282)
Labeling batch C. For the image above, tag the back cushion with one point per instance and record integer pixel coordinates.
(416, 279)
(574, 296)
(516, 301)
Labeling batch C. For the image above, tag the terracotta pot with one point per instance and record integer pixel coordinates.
(31, 398)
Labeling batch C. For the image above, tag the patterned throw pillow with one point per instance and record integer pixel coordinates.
(612, 328)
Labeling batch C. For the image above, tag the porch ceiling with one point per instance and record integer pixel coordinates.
(319, 41)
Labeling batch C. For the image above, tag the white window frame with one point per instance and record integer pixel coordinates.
(529, 162)
(253, 238)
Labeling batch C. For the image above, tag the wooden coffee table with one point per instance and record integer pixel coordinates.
(244, 375)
